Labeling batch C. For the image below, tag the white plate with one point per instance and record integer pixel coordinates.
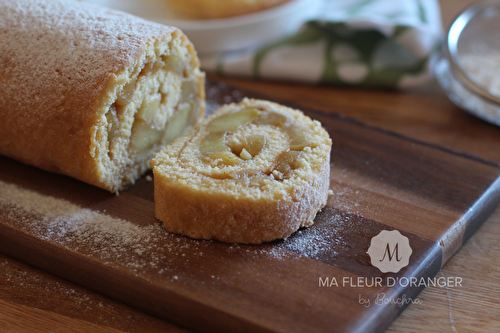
(229, 34)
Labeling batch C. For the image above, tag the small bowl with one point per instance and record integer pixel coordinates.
(228, 34)
(469, 70)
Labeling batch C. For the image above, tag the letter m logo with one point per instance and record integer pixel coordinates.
(389, 251)
(389, 254)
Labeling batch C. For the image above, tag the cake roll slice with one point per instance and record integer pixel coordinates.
(249, 173)
(90, 92)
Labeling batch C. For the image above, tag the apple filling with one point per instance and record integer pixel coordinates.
(112, 119)
(213, 146)
(148, 131)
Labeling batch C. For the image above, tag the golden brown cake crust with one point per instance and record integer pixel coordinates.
(59, 65)
(198, 205)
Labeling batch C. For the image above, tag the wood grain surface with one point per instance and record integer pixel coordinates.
(381, 181)
(424, 114)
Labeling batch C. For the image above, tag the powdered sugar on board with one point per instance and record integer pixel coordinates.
(218, 90)
(314, 240)
(149, 246)
(92, 232)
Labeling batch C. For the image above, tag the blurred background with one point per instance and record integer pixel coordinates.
(418, 109)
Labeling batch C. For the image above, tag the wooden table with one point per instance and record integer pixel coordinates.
(32, 300)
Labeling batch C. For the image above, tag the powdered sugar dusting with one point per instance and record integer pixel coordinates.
(91, 232)
(346, 198)
(317, 239)
(74, 48)
(146, 247)
(65, 32)
(217, 91)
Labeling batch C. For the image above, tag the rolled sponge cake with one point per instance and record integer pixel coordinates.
(90, 92)
(249, 173)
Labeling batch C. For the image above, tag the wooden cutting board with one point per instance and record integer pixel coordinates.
(435, 197)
